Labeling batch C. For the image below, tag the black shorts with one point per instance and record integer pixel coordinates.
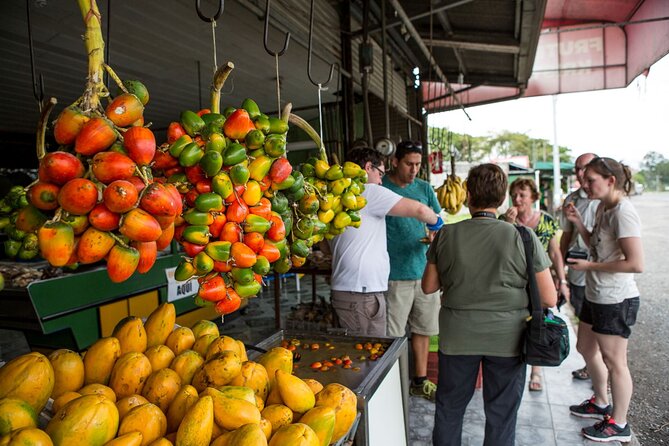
(611, 319)
(576, 298)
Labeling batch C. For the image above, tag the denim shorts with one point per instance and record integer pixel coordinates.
(611, 319)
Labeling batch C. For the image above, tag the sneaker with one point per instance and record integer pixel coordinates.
(606, 431)
(427, 390)
(588, 409)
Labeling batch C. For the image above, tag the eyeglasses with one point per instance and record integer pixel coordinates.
(381, 172)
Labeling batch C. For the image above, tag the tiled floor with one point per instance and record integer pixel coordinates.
(543, 418)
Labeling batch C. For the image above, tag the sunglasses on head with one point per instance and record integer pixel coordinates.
(606, 165)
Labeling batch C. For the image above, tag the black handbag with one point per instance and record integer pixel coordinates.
(546, 338)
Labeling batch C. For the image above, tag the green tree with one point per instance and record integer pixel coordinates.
(655, 171)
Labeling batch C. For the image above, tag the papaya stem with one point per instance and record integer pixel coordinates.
(309, 130)
(140, 173)
(118, 240)
(95, 50)
(285, 113)
(111, 73)
(41, 127)
(220, 77)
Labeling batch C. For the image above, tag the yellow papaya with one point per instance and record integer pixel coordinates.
(278, 415)
(31, 436)
(232, 413)
(28, 377)
(68, 371)
(131, 334)
(160, 324)
(99, 389)
(203, 327)
(186, 364)
(322, 420)
(90, 419)
(181, 339)
(345, 404)
(63, 400)
(275, 359)
(147, 419)
(99, 360)
(129, 439)
(197, 425)
(217, 371)
(248, 435)
(203, 342)
(160, 356)
(15, 414)
(295, 393)
(221, 344)
(161, 387)
(255, 376)
(297, 434)
(129, 374)
(184, 399)
(126, 403)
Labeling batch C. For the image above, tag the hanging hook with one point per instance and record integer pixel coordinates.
(215, 17)
(38, 86)
(320, 85)
(285, 42)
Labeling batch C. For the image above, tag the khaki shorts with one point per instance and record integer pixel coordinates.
(360, 313)
(408, 304)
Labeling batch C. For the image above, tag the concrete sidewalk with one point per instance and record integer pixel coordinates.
(543, 418)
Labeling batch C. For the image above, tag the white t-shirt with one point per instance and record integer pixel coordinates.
(588, 209)
(360, 259)
(621, 221)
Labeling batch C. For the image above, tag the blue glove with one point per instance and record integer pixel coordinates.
(437, 225)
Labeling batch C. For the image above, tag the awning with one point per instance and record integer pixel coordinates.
(584, 45)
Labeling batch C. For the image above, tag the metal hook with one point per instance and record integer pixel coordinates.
(38, 86)
(215, 16)
(285, 42)
(320, 85)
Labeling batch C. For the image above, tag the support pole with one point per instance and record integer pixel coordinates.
(557, 191)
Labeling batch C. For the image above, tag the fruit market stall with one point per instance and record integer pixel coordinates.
(369, 366)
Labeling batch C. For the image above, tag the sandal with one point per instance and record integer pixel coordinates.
(535, 382)
(581, 374)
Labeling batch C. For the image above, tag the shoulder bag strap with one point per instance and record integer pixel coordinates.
(536, 311)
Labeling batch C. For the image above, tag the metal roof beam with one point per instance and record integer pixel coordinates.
(475, 46)
(416, 17)
(426, 52)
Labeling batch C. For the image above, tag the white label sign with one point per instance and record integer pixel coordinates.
(178, 290)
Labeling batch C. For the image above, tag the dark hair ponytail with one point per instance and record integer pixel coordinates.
(627, 182)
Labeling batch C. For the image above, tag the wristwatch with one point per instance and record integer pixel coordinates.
(563, 282)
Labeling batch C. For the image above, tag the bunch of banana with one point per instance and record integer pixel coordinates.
(452, 194)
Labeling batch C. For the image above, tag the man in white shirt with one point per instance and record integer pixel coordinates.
(360, 262)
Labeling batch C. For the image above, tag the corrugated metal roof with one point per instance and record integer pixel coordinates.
(160, 42)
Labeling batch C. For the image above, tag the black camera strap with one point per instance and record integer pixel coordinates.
(537, 326)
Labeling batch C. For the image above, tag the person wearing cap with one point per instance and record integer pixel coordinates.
(407, 304)
(360, 264)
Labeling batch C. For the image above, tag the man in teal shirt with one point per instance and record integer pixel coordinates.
(406, 302)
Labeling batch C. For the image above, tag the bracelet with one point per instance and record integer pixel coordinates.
(564, 282)
(437, 225)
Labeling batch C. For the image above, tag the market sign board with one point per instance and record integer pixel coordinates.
(179, 290)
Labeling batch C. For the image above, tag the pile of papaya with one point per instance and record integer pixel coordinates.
(154, 383)
(246, 210)
(95, 198)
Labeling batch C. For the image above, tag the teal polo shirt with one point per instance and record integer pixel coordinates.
(406, 251)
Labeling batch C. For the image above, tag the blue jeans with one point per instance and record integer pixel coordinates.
(503, 386)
